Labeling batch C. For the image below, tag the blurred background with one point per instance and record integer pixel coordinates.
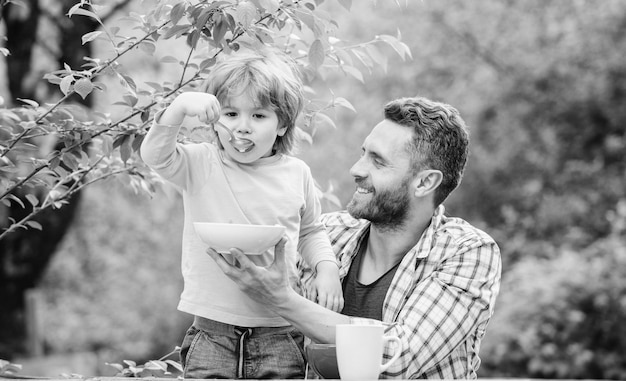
(542, 86)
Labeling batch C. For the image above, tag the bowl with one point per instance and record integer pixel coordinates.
(251, 239)
(323, 360)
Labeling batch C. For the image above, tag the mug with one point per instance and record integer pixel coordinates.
(360, 351)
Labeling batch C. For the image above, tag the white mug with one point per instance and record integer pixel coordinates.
(360, 351)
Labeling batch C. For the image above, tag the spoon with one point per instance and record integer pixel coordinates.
(240, 144)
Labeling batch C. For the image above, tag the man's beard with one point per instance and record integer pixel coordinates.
(387, 209)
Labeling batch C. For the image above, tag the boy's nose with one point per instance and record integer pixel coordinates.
(243, 127)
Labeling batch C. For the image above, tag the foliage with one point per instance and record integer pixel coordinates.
(116, 279)
(551, 141)
(152, 368)
(50, 152)
(563, 317)
(7, 369)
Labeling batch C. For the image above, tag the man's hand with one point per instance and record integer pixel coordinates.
(268, 285)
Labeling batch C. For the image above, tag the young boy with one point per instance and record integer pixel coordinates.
(259, 97)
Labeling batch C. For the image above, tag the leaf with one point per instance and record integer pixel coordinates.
(401, 48)
(128, 82)
(245, 14)
(70, 161)
(343, 102)
(219, 31)
(156, 364)
(203, 19)
(66, 84)
(316, 53)
(29, 102)
(83, 87)
(320, 119)
(264, 36)
(193, 37)
(303, 135)
(130, 99)
(176, 30)
(144, 116)
(34, 225)
(351, 70)
(175, 364)
(136, 145)
(54, 162)
(16, 199)
(7, 367)
(83, 12)
(363, 57)
(119, 367)
(148, 47)
(307, 18)
(126, 148)
(377, 56)
(346, 4)
(169, 59)
(87, 37)
(155, 85)
(270, 6)
(207, 63)
(34, 201)
(177, 12)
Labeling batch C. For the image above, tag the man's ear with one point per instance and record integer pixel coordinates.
(426, 182)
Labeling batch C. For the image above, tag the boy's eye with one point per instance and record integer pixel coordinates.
(259, 116)
(230, 113)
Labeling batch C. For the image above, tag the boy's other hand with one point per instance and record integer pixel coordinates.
(326, 290)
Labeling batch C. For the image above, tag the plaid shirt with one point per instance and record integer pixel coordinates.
(440, 300)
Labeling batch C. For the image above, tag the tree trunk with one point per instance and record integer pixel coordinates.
(25, 254)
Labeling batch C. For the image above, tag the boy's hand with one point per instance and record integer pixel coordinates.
(204, 106)
(327, 290)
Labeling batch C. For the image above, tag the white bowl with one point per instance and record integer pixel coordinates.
(251, 239)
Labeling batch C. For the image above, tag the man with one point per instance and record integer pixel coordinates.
(432, 279)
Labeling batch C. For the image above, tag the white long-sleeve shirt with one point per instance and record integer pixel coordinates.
(274, 190)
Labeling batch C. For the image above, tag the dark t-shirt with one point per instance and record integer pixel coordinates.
(365, 300)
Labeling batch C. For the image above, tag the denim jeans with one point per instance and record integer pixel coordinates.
(212, 349)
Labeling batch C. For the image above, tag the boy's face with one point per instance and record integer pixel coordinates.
(247, 119)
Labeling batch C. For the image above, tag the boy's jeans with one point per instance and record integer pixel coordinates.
(212, 349)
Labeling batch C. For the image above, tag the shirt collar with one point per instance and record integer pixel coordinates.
(420, 250)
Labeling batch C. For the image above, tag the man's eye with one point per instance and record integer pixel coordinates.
(378, 161)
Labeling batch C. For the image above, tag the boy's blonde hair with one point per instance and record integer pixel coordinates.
(269, 77)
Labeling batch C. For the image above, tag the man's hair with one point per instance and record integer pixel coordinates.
(440, 139)
(270, 78)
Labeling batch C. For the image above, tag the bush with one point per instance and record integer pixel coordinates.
(562, 317)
